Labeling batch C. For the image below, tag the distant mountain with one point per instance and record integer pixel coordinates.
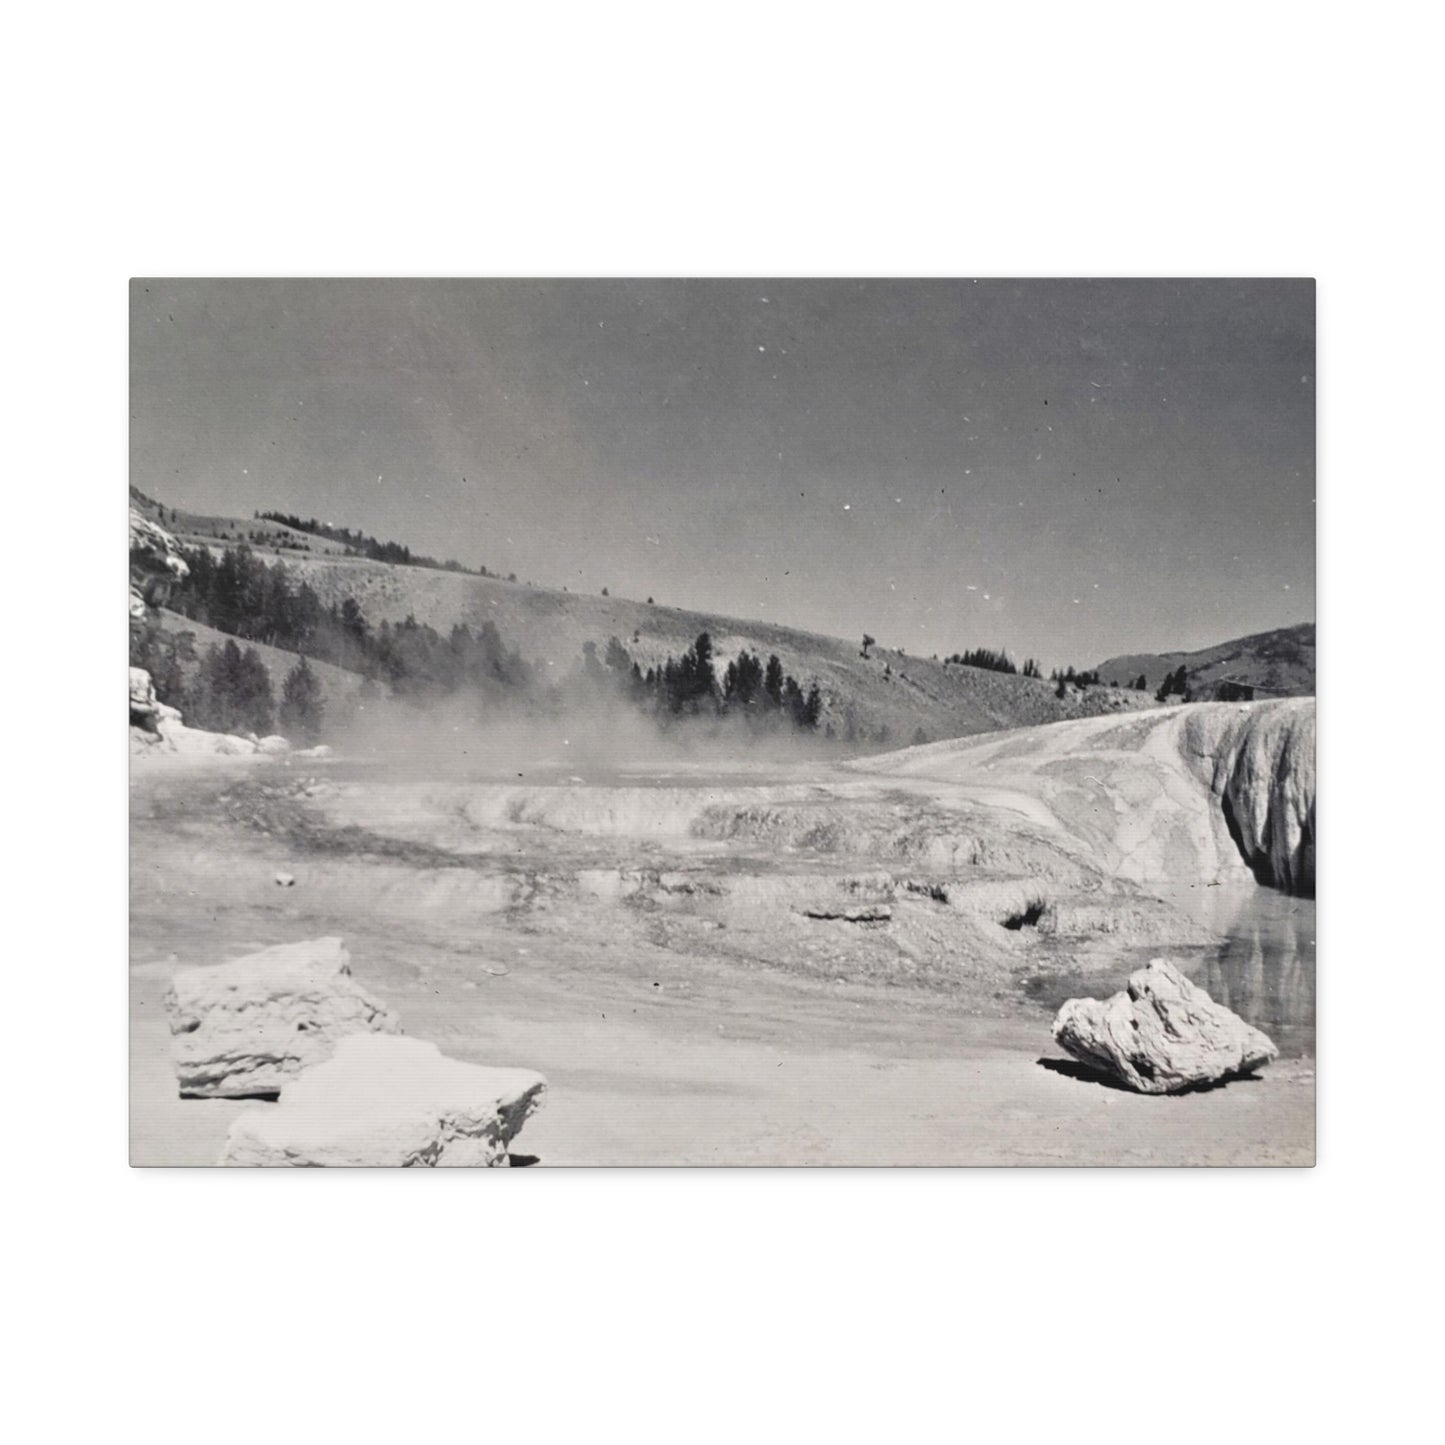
(1278, 664)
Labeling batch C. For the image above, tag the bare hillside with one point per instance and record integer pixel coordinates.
(885, 690)
(890, 696)
(1280, 663)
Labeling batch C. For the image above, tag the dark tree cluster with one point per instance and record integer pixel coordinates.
(999, 661)
(258, 602)
(231, 693)
(169, 657)
(240, 594)
(360, 545)
(302, 709)
(1177, 683)
(684, 687)
(415, 660)
(1079, 679)
(228, 688)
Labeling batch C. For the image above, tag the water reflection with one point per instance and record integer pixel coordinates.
(1264, 970)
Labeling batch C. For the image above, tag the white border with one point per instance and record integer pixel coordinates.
(1251, 140)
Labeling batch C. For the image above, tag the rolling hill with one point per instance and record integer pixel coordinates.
(339, 688)
(1279, 663)
(888, 690)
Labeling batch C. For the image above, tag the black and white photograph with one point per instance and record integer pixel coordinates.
(722, 722)
(733, 623)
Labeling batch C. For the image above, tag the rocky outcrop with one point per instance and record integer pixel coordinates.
(250, 1026)
(156, 727)
(1259, 763)
(389, 1102)
(156, 564)
(1196, 793)
(145, 708)
(1161, 1035)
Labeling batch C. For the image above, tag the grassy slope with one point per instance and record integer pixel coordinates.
(192, 529)
(1281, 662)
(550, 627)
(338, 686)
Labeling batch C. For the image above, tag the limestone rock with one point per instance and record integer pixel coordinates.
(156, 564)
(144, 709)
(248, 1027)
(389, 1102)
(1197, 793)
(1259, 762)
(196, 742)
(1161, 1035)
(156, 727)
(866, 913)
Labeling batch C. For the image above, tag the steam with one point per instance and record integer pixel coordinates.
(588, 738)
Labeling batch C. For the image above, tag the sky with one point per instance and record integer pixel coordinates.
(1068, 469)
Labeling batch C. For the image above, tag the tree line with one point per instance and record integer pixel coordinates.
(1177, 682)
(240, 594)
(369, 547)
(762, 694)
(999, 661)
(229, 689)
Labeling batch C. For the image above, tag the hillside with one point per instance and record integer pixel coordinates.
(1280, 663)
(194, 529)
(338, 686)
(887, 690)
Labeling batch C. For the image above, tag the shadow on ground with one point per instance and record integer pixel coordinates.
(1072, 1069)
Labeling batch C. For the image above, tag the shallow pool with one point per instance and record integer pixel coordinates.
(1264, 969)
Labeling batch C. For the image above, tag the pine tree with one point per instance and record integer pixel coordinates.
(793, 701)
(301, 703)
(256, 704)
(1175, 682)
(813, 707)
(773, 681)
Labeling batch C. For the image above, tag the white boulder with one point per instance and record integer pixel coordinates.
(156, 564)
(144, 709)
(1161, 1035)
(247, 1027)
(197, 742)
(389, 1102)
(154, 547)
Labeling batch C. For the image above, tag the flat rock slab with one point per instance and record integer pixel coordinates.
(250, 1026)
(1161, 1035)
(389, 1102)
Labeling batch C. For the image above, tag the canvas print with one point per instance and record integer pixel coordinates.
(724, 722)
